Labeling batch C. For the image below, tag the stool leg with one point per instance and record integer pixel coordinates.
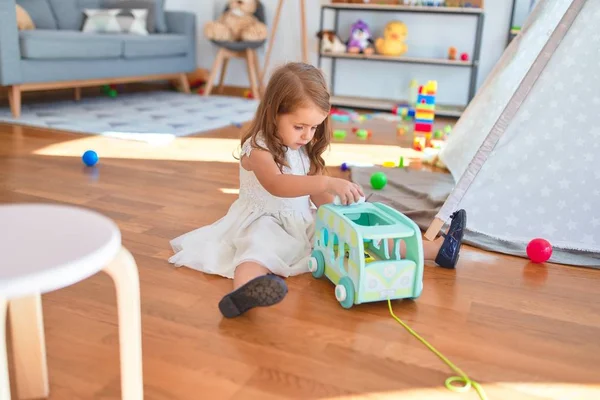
(223, 73)
(4, 381)
(252, 74)
(29, 347)
(124, 273)
(217, 65)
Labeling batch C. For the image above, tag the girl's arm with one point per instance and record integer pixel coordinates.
(283, 185)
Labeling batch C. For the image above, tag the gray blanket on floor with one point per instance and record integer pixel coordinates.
(420, 194)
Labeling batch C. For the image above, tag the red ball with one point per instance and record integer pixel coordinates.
(464, 57)
(539, 250)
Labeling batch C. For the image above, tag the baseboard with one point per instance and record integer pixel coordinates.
(67, 94)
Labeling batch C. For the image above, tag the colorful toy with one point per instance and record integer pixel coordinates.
(464, 57)
(110, 90)
(367, 228)
(402, 163)
(389, 164)
(425, 111)
(378, 180)
(330, 42)
(393, 41)
(90, 158)
(452, 52)
(419, 143)
(361, 40)
(339, 134)
(403, 111)
(539, 250)
(367, 270)
(363, 133)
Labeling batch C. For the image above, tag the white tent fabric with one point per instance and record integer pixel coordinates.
(524, 153)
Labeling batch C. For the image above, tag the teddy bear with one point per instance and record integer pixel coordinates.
(237, 23)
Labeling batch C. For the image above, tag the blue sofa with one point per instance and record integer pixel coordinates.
(58, 55)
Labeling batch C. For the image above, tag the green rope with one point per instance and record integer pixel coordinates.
(467, 382)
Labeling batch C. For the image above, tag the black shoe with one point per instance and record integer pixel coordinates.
(447, 257)
(265, 290)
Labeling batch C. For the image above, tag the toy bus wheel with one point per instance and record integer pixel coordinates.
(344, 292)
(316, 264)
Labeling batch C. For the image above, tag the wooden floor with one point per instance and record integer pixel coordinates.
(523, 331)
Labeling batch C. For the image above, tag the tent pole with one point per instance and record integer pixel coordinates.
(435, 227)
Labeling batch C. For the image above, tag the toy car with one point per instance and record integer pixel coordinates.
(367, 270)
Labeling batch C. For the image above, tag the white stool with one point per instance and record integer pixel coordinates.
(48, 247)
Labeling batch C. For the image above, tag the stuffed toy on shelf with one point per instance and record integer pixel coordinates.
(330, 42)
(360, 40)
(237, 23)
(393, 41)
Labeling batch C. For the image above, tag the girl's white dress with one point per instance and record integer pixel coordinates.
(272, 231)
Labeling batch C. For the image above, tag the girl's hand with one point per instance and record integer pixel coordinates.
(347, 191)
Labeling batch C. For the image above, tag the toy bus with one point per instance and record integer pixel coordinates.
(351, 248)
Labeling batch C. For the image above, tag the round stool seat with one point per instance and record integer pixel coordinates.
(47, 247)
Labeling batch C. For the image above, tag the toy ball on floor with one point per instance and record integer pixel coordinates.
(90, 158)
(539, 250)
(378, 180)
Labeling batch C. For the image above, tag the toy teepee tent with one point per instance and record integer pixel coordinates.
(525, 152)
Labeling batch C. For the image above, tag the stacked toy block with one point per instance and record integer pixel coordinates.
(425, 115)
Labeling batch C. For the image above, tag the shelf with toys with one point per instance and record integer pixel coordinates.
(391, 47)
(400, 59)
(404, 8)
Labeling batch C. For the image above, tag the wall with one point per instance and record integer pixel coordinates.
(429, 36)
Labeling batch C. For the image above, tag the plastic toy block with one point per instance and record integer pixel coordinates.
(339, 134)
(423, 99)
(423, 128)
(430, 88)
(424, 121)
(425, 114)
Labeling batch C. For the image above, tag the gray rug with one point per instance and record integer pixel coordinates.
(420, 194)
(151, 117)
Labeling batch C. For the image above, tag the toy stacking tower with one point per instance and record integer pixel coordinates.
(424, 115)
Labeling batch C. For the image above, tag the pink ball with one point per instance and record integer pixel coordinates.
(464, 57)
(539, 250)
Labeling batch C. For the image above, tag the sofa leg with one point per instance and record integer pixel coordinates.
(184, 85)
(14, 98)
(77, 93)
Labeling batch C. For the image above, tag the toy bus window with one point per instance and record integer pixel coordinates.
(324, 237)
(335, 248)
(386, 250)
(368, 219)
(397, 249)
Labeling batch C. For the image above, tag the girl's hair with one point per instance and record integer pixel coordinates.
(292, 86)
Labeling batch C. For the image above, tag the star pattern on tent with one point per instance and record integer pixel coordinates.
(543, 180)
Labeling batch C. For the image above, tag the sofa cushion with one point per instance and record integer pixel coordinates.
(40, 12)
(149, 5)
(157, 45)
(56, 44)
(69, 13)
